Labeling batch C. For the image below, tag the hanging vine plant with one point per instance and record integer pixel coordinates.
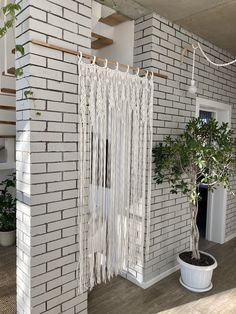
(203, 154)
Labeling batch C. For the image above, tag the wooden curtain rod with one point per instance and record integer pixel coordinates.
(88, 56)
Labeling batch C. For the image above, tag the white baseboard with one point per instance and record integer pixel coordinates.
(230, 237)
(149, 283)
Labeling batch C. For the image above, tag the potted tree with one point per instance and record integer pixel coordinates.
(8, 211)
(203, 154)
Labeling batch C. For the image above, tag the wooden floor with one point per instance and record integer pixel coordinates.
(122, 297)
(168, 296)
(8, 280)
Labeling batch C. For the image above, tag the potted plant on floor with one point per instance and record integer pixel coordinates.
(203, 154)
(8, 211)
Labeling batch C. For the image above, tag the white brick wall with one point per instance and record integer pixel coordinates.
(158, 46)
(46, 156)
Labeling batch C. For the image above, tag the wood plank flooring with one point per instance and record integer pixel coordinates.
(8, 280)
(167, 296)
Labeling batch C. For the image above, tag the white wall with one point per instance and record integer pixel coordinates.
(122, 48)
(122, 35)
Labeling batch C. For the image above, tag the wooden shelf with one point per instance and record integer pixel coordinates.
(11, 71)
(7, 136)
(8, 91)
(7, 122)
(100, 41)
(114, 19)
(10, 108)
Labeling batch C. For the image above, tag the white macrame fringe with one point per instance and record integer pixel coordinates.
(114, 175)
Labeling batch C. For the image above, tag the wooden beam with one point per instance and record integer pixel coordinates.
(90, 57)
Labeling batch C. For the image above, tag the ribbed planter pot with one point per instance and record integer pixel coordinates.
(7, 238)
(196, 278)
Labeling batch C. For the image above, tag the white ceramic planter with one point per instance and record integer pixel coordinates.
(196, 278)
(7, 238)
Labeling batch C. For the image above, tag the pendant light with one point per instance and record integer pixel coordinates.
(193, 88)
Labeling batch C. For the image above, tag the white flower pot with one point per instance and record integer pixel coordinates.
(7, 238)
(196, 278)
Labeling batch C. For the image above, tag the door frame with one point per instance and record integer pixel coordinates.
(217, 200)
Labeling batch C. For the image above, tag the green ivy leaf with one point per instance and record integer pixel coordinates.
(20, 49)
(28, 93)
(19, 72)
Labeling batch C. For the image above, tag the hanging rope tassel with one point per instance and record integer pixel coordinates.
(114, 157)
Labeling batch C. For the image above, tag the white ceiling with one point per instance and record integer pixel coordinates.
(214, 20)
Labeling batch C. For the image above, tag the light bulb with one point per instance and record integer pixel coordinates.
(192, 88)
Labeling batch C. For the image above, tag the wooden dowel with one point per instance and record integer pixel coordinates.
(88, 56)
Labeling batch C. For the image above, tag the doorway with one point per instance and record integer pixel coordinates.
(204, 244)
(212, 206)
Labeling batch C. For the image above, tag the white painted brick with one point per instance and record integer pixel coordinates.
(61, 186)
(62, 66)
(45, 28)
(62, 23)
(46, 296)
(172, 115)
(70, 249)
(45, 136)
(62, 147)
(38, 270)
(47, 94)
(49, 157)
(61, 127)
(60, 281)
(78, 39)
(45, 238)
(46, 277)
(72, 212)
(43, 258)
(61, 224)
(62, 107)
(70, 175)
(40, 220)
(61, 299)
(61, 262)
(70, 4)
(38, 290)
(46, 177)
(74, 302)
(63, 166)
(60, 243)
(37, 250)
(47, 6)
(72, 16)
(70, 117)
(45, 72)
(60, 86)
(62, 205)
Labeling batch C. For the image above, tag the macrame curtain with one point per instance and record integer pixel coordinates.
(115, 152)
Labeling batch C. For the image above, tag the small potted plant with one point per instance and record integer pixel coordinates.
(8, 211)
(203, 154)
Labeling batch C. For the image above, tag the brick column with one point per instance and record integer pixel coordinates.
(47, 156)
